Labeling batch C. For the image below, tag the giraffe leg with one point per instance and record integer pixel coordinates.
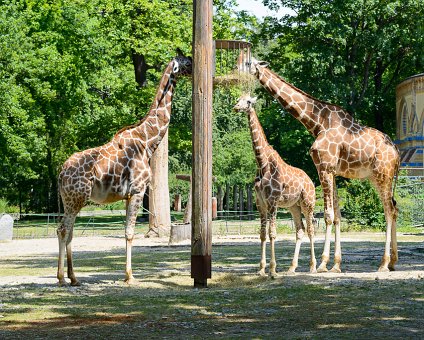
(63, 231)
(263, 215)
(310, 227)
(262, 264)
(300, 230)
(394, 249)
(326, 179)
(384, 190)
(133, 204)
(61, 235)
(337, 219)
(71, 275)
(272, 236)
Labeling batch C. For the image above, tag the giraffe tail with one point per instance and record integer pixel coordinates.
(59, 197)
(396, 174)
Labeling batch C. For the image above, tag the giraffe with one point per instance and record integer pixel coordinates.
(278, 184)
(117, 170)
(342, 147)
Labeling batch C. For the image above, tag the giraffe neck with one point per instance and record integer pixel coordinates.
(152, 128)
(159, 114)
(300, 105)
(259, 141)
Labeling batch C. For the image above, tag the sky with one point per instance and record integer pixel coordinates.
(257, 8)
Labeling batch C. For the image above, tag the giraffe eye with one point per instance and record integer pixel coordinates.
(249, 102)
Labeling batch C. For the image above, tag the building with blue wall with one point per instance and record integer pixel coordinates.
(410, 124)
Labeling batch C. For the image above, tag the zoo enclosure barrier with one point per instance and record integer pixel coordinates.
(112, 223)
(235, 214)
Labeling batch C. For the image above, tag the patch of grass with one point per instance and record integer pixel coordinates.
(237, 304)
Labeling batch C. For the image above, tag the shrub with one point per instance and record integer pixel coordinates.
(6, 208)
(363, 205)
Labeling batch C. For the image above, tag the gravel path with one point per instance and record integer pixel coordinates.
(48, 247)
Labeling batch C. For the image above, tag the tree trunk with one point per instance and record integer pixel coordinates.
(159, 202)
(220, 200)
(188, 208)
(378, 81)
(140, 68)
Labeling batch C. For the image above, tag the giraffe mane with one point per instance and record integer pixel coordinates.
(142, 120)
(308, 95)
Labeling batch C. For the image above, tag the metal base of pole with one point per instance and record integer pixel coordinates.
(200, 283)
(201, 270)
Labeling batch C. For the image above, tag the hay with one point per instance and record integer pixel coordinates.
(234, 79)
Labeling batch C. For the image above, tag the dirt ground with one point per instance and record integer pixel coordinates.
(357, 303)
(49, 246)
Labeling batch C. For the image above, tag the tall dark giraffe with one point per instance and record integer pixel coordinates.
(342, 147)
(117, 170)
(278, 185)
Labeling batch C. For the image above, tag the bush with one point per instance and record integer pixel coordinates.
(363, 206)
(6, 208)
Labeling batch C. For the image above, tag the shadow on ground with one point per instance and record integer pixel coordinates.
(358, 303)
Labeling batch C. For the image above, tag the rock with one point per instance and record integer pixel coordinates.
(6, 228)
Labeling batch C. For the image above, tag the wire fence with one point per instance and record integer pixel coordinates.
(411, 207)
(228, 222)
(112, 223)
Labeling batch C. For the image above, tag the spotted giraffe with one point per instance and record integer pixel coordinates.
(118, 170)
(278, 184)
(342, 147)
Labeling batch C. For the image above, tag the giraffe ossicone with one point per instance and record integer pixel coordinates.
(118, 170)
(278, 185)
(342, 147)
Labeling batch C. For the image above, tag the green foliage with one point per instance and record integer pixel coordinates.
(67, 81)
(352, 53)
(363, 205)
(288, 137)
(6, 208)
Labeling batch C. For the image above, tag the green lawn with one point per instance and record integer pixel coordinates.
(237, 304)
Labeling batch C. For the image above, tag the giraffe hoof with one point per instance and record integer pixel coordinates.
(75, 283)
(322, 269)
(273, 275)
(383, 269)
(291, 271)
(262, 273)
(130, 281)
(335, 270)
(313, 270)
(62, 283)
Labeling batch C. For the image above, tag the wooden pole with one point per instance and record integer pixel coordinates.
(241, 202)
(227, 199)
(235, 191)
(249, 202)
(220, 199)
(201, 225)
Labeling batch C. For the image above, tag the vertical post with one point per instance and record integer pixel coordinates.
(201, 226)
(235, 191)
(220, 199)
(241, 203)
(227, 199)
(249, 202)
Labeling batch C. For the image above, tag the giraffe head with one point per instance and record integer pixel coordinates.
(256, 65)
(245, 103)
(182, 65)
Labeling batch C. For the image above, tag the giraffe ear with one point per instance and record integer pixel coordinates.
(263, 63)
(176, 67)
(180, 53)
(253, 100)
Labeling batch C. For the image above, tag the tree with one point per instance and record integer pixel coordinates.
(352, 52)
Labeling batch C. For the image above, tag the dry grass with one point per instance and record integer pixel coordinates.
(238, 304)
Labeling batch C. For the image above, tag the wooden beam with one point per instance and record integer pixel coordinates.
(201, 237)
